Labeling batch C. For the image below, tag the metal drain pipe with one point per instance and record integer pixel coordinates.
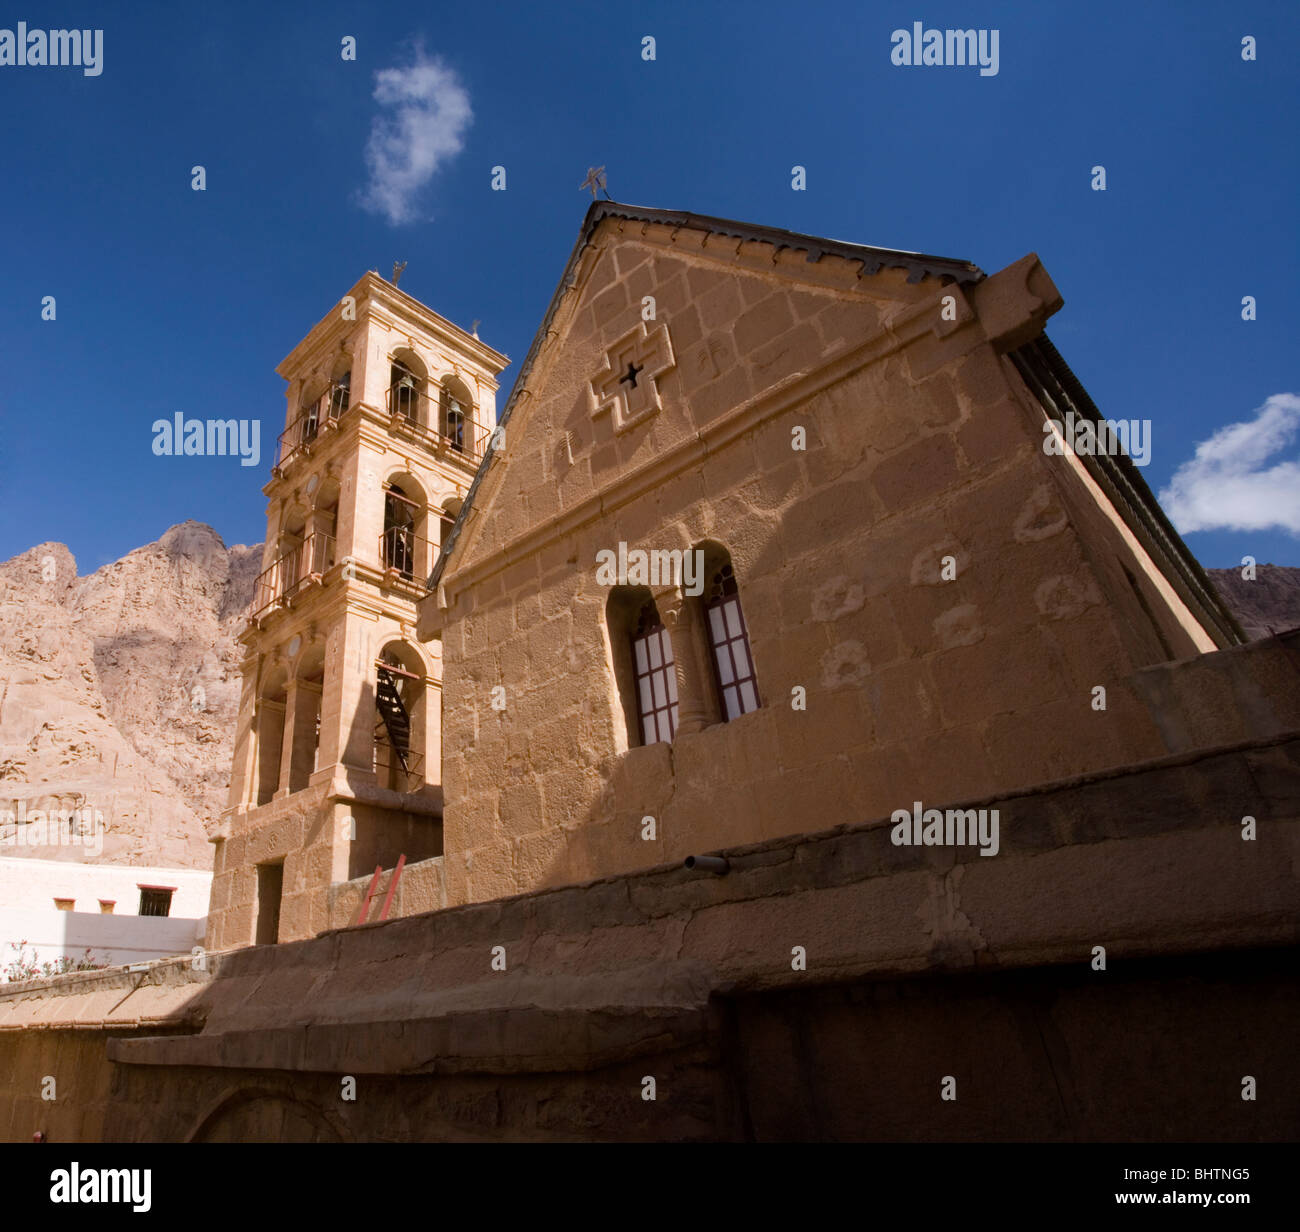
(708, 864)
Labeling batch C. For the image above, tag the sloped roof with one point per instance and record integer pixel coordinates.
(1053, 383)
(918, 265)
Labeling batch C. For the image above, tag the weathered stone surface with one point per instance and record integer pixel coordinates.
(120, 689)
(930, 600)
(1266, 604)
(688, 978)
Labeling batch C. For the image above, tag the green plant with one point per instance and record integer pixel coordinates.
(26, 967)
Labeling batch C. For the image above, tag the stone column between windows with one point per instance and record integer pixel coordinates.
(680, 615)
(347, 729)
(270, 743)
(243, 772)
(287, 742)
(431, 742)
(303, 707)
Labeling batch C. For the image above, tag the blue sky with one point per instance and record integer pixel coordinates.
(174, 300)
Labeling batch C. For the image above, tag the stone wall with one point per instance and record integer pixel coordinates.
(419, 889)
(55, 1076)
(300, 830)
(326, 840)
(917, 964)
(1034, 1057)
(921, 444)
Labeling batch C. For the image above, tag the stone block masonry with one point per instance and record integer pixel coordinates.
(948, 963)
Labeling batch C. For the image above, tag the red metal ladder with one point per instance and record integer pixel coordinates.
(388, 898)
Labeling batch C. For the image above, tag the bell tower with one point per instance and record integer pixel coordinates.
(337, 763)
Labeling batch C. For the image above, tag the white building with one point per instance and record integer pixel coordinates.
(122, 913)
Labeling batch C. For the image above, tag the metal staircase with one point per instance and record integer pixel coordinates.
(397, 723)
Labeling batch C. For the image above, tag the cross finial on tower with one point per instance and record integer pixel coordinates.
(595, 180)
(398, 267)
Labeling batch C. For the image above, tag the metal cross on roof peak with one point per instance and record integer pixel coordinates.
(595, 180)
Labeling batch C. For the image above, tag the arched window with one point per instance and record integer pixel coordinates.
(309, 412)
(398, 545)
(454, 414)
(270, 735)
(289, 564)
(446, 520)
(323, 522)
(406, 386)
(733, 661)
(655, 677)
(399, 718)
(305, 731)
(340, 396)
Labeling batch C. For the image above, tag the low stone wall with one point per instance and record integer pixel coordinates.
(824, 987)
(55, 1076)
(1153, 1051)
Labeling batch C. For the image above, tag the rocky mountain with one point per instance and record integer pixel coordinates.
(119, 693)
(1267, 604)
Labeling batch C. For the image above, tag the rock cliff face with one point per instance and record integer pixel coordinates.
(1269, 604)
(119, 692)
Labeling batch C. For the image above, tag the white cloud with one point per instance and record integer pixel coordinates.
(424, 114)
(1226, 486)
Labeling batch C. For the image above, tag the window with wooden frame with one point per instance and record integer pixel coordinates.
(156, 900)
(655, 677)
(733, 661)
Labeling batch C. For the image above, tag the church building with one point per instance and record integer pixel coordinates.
(902, 594)
(789, 718)
(772, 536)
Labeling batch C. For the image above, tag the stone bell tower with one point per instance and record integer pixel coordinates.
(338, 747)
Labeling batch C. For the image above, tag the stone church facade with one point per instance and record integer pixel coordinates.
(767, 545)
(926, 598)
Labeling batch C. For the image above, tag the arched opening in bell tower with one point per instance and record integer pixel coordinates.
(398, 544)
(400, 718)
(289, 550)
(323, 525)
(447, 519)
(407, 386)
(313, 396)
(456, 414)
(340, 391)
(270, 733)
(308, 686)
(404, 546)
